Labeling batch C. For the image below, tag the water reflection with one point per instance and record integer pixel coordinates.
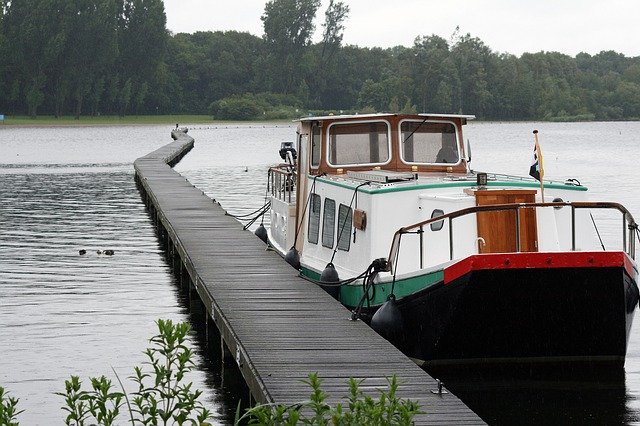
(222, 378)
(542, 395)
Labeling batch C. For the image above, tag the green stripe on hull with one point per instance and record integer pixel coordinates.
(350, 295)
(468, 184)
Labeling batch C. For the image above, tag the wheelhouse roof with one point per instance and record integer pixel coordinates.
(381, 115)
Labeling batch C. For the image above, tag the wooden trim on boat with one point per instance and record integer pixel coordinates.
(395, 163)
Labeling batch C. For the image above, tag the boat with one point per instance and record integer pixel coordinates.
(451, 265)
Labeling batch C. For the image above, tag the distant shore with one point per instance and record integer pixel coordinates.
(131, 120)
(168, 120)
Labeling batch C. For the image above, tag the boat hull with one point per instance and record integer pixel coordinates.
(564, 313)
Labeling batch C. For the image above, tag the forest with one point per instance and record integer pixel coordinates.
(116, 57)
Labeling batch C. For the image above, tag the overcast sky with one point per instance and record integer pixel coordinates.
(513, 26)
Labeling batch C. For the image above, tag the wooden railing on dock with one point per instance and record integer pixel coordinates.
(278, 327)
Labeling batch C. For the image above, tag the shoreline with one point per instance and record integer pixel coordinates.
(105, 121)
(110, 121)
(191, 120)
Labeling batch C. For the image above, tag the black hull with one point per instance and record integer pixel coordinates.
(522, 315)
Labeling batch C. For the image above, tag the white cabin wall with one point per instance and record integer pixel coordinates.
(586, 236)
(547, 227)
(282, 222)
(389, 211)
(347, 263)
(402, 208)
(465, 229)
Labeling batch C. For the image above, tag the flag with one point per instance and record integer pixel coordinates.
(536, 170)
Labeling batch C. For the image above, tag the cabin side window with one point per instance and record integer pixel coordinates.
(344, 227)
(358, 143)
(314, 219)
(328, 222)
(429, 142)
(315, 145)
(436, 226)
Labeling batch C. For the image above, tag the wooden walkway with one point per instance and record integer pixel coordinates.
(278, 326)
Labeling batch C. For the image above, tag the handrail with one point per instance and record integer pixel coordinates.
(416, 227)
(281, 182)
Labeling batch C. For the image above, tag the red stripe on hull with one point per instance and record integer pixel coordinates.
(539, 261)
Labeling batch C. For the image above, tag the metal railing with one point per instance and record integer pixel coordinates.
(629, 225)
(281, 182)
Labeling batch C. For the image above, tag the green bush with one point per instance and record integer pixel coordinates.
(261, 106)
(361, 410)
(8, 410)
(235, 109)
(162, 396)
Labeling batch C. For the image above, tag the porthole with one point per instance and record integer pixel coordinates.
(436, 226)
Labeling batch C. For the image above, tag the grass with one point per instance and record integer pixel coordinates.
(104, 120)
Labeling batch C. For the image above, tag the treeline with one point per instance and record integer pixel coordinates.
(90, 57)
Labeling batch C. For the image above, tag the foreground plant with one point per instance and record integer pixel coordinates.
(8, 410)
(362, 409)
(162, 396)
(100, 402)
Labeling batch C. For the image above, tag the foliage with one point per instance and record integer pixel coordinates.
(162, 396)
(261, 106)
(288, 27)
(116, 57)
(8, 409)
(361, 409)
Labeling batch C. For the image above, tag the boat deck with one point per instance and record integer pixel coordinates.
(278, 326)
(386, 181)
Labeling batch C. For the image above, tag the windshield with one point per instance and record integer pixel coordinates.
(429, 142)
(359, 143)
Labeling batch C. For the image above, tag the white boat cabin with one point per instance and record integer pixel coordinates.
(358, 179)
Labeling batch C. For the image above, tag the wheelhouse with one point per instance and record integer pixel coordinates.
(414, 143)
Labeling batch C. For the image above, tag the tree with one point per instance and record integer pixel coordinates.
(429, 68)
(288, 27)
(472, 58)
(142, 43)
(36, 44)
(93, 50)
(4, 53)
(334, 17)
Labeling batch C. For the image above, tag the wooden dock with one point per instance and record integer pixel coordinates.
(278, 326)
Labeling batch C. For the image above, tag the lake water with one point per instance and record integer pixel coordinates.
(65, 189)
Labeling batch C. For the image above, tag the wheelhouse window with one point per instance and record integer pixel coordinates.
(429, 142)
(315, 145)
(344, 227)
(358, 143)
(328, 222)
(314, 219)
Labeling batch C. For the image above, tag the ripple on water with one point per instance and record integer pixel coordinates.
(66, 313)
